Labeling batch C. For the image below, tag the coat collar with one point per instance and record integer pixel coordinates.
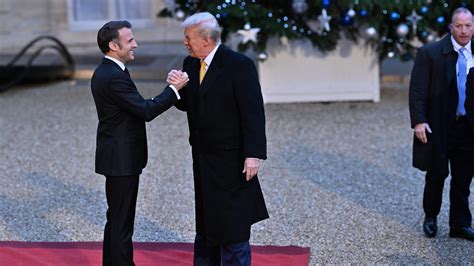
(451, 57)
(213, 71)
(447, 44)
(110, 62)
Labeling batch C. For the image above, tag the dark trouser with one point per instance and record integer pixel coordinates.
(121, 193)
(461, 166)
(236, 254)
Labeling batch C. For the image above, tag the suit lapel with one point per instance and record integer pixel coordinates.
(212, 72)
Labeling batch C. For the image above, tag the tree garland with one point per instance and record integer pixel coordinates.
(394, 28)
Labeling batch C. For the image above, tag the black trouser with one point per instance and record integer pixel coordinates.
(235, 254)
(460, 143)
(121, 193)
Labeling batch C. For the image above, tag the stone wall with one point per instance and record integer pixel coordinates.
(23, 20)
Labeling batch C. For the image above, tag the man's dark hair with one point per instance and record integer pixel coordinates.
(109, 32)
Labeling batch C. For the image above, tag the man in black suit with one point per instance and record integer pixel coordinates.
(226, 119)
(121, 151)
(442, 131)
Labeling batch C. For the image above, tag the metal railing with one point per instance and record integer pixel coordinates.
(66, 71)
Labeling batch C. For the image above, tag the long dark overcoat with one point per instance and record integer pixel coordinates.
(433, 99)
(227, 124)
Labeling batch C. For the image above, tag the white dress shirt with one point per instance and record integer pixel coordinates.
(210, 56)
(467, 54)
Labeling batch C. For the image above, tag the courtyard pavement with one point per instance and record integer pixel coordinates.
(338, 178)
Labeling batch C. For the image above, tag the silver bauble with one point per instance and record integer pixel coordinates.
(351, 13)
(299, 6)
(262, 56)
(371, 32)
(179, 14)
(402, 30)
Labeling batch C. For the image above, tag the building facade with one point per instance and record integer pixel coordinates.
(75, 22)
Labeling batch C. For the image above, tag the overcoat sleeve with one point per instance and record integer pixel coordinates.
(249, 99)
(182, 104)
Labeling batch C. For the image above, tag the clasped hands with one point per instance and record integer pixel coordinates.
(177, 78)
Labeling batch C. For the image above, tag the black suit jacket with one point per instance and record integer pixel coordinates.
(121, 136)
(433, 99)
(226, 121)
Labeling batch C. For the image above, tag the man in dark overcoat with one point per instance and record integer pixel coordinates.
(443, 139)
(226, 119)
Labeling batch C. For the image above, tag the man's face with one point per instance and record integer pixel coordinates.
(126, 45)
(197, 46)
(462, 28)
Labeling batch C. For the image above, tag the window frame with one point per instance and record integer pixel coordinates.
(112, 15)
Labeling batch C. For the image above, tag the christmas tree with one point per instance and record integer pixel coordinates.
(394, 28)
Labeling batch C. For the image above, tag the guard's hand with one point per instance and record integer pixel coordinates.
(251, 166)
(420, 132)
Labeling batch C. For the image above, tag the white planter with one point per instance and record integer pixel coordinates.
(297, 72)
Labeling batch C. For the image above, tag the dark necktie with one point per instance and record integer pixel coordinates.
(462, 74)
(126, 72)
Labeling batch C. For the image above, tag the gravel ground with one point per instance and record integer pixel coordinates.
(338, 178)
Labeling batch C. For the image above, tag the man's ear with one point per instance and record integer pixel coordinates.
(113, 46)
(207, 42)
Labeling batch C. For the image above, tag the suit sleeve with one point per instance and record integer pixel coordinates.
(126, 96)
(419, 92)
(252, 114)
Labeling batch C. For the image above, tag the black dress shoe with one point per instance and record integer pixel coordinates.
(462, 232)
(429, 226)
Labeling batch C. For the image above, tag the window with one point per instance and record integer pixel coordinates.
(88, 14)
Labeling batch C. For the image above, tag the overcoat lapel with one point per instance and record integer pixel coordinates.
(194, 76)
(214, 71)
(451, 58)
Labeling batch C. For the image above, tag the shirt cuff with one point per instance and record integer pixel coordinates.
(175, 91)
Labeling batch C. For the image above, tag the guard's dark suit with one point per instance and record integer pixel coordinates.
(433, 99)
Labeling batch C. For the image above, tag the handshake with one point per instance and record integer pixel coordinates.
(177, 78)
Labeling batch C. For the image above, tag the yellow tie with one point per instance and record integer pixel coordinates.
(202, 71)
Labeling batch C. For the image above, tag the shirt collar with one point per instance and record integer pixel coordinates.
(457, 46)
(210, 56)
(118, 62)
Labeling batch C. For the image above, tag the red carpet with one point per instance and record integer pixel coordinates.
(90, 253)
